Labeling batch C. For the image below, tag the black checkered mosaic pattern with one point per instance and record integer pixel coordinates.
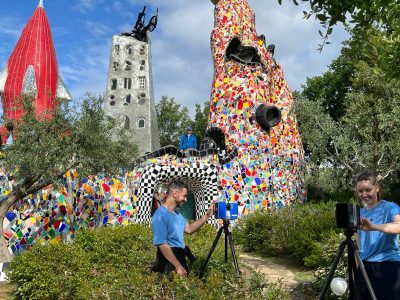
(201, 179)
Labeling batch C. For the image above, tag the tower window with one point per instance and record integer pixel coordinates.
(141, 123)
(128, 65)
(142, 82)
(128, 49)
(127, 99)
(142, 98)
(127, 83)
(142, 50)
(115, 65)
(112, 103)
(112, 97)
(114, 84)
(142, 65)
(116, 49)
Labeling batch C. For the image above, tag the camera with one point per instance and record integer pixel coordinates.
(347, 216)
(226, 210)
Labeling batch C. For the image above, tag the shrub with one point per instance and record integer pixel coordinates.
(299, 231)
(114, 263)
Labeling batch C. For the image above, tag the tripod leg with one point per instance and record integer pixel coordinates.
(332, 270)
(351, 271)
(226, 245)
(365, 275)
(211, 251)
(235, 262)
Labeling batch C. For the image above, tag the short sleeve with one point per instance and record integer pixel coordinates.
(394, 210)
(160, 234)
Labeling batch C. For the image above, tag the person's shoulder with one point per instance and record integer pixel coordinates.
(391, 205)
(159, 213)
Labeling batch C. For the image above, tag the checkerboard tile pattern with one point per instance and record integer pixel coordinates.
(201, 179)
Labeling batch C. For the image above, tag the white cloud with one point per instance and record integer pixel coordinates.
(86, 5)
(97, 28)
(86, 69)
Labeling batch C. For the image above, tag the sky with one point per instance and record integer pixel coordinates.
(182, 63)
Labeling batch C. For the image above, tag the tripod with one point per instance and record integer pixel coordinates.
(352, 272)
(228, 237)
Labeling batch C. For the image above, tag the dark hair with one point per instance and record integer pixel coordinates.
(370, 176)
(176, 185)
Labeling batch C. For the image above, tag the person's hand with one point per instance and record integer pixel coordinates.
(210, 210)
(366, 224)
(181, 271)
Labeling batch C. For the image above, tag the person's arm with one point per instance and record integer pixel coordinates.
(389, 228)
(192, 228)
(170, 256)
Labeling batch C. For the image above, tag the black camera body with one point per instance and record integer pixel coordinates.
(347, 216)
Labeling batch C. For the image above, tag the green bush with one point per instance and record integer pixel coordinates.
(299, 231)
(114, 263)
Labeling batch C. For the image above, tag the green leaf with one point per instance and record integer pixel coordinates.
(322, 17)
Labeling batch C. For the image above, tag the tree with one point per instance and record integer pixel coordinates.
(333, 85)
(365, 136)
(382, 15)
(172, 119)
(201, 121)
(45, 148)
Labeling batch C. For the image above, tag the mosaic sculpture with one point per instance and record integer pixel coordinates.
(247, 86)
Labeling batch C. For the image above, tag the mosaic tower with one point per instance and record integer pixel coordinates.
(248, 89)
(32, 69)
(130, 95)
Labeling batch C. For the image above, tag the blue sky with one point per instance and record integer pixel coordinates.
(182, 65)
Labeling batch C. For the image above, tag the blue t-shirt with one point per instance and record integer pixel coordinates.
(168, 227)
(377, 246)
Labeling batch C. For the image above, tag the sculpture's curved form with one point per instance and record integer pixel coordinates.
(32, 69)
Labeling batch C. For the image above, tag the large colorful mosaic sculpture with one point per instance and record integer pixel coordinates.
(252, 141)
(248, 89)
(32, 69)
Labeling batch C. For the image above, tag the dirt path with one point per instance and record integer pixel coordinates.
(293, 278)
(5, 290)
(272, 271)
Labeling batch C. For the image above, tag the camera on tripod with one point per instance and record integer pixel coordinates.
(347, 216)
(226, 210)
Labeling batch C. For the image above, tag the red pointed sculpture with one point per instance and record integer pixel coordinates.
(32, 68)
